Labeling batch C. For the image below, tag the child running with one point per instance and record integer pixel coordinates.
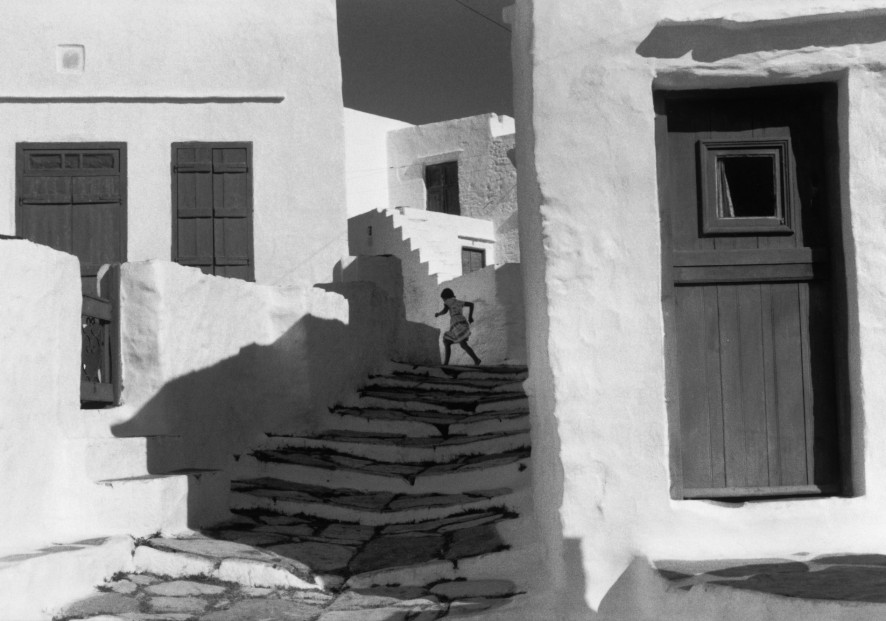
(459, 327)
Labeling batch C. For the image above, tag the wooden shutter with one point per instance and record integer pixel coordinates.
(441, 182)
(212, 194)
(72, 197)
(472, 259)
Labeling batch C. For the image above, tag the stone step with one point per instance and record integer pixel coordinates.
(340, 551)
(172, 502)
(413, 381)
(370, 508)
(400, 448)
(507, 372)
(36, 583)
(433, 401)
(228, 561)
(107, 458)
(428, 423)
(335, 469)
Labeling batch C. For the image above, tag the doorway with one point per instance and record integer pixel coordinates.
(753, 289)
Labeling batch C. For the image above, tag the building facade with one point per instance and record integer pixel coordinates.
(701, 236)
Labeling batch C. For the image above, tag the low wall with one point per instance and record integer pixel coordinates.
(209, 365)
(498, 331)
(39, 389)
(219, 361)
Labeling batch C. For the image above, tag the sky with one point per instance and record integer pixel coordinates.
(422, 61)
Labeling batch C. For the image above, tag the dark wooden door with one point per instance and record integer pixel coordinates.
(212, 205)
(72, 197)
(748, 291)
(441, 183)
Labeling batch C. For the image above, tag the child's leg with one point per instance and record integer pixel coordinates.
(448, 347)
(467, 348)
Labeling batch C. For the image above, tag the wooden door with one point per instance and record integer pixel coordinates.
(212, 205)
(72, 197)
(750, 244)
(441, 183)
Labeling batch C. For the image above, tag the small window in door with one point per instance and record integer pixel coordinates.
(744, 187)
(441, 183)
(212, 207)
(472, 259)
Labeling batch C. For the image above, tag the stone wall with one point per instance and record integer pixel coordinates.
(483, 147)
(159, 72)
(591, 249)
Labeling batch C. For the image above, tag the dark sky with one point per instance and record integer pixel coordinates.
(422, 61)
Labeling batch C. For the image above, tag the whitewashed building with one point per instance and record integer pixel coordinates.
(701, 237)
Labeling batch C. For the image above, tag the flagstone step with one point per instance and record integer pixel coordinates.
(413, 381)
(400, 448)
(428, 423)
(223, 560)
(417, 401)
(507, 372)
(370, 508)
(171, 502)
(335, 469)
(107, 458)
(342, 551)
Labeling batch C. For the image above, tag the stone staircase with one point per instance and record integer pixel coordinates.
(421, 477)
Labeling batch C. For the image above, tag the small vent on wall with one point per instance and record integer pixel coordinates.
(70, 58)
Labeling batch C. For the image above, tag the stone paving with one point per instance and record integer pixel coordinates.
(850, 577)
(150, 597)
(370, 524)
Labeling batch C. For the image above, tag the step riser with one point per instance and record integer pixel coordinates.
(502, 405)
(129, 457)
(434, 388)
(243, 501)
(515, 376)
(506, 562)
(508, 475)
(402, 455)
(415, 429)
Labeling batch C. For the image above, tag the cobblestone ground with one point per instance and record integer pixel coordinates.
(147, 597)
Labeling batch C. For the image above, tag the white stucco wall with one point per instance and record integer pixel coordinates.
(219, 362)
(366, 160)
(209, 365)
(428, 246)
(591, 251)
(486, 175)
(438, 237)
(158, 72)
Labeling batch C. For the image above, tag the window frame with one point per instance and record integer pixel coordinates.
(710, 152)
(193, 144)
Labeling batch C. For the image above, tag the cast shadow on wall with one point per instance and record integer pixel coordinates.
(713, 40)
(207, 418)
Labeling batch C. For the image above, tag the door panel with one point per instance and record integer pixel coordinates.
(750, 291)
(72, 197)
(212, 219)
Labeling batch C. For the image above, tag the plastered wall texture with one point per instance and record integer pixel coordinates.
(159, 72)
(591, 251)
(209, 365)
(483, 147)
(366, 160)
(429, 246)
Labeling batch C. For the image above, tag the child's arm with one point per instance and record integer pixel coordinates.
(470, 306)
(442, 312)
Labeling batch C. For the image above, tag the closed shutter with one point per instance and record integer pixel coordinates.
(441, 183)
(472, 259)
(71, 197)
(213, 208)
